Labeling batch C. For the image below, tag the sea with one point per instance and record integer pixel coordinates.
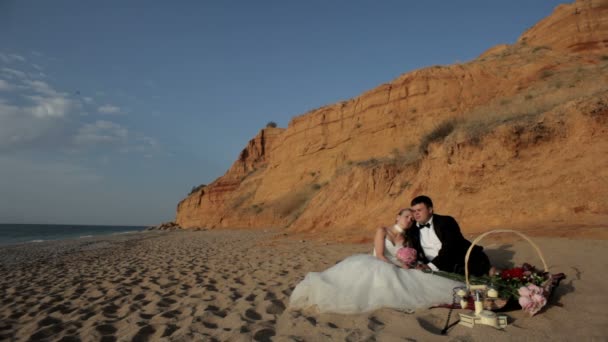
(11, 234)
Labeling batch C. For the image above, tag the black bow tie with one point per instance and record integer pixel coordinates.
(426, 225)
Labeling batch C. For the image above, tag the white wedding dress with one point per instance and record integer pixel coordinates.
(362, 283)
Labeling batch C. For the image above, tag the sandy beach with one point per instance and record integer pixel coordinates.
(234, 285)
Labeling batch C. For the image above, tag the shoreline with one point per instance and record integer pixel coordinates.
(234, 285)
(18, 234)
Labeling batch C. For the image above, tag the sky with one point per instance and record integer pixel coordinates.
(111, 111)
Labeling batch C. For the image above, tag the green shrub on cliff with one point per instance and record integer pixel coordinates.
(196, 188)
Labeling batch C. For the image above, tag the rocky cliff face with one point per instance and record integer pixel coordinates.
(515, 138)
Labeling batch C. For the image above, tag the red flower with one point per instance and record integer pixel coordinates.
(513, 273)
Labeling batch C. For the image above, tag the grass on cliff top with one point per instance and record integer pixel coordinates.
(437, 134)
(293, 203)
(557, 88)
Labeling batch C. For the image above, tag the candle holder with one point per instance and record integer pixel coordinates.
(480, 316)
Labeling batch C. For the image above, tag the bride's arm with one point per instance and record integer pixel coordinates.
(379, 244)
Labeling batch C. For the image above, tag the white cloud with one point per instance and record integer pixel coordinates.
(12, 73)
(19, 127)
(10, 58)
(52, 106)
(101, 132)
(40, 87)
(108, 109)
(149, 141)
(39, 121)
(17, 58)
(5, 86)
(141, 144)
(37, 117)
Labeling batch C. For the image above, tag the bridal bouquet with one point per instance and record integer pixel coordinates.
(407, 256)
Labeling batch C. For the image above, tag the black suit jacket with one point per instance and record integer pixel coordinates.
(453, 247)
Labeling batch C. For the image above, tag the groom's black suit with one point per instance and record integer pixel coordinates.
(453, 248)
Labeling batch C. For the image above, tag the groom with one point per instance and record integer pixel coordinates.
(440, 243)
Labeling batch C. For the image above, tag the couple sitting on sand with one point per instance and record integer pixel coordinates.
(364, 282)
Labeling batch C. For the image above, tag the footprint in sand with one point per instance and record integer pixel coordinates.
(144, 334)
(110, 311)
(146, 316)
(252, 314)
(374, 324)
(45, 333)
(235, 295)
(86, 314)
(140, 296)
(209, 325)
(106, 329)
(48, 321)
(169, 330)
(216, 311)
(210, 287)
(264, 335)
(276, 307)
(166, 302)
(171, 314)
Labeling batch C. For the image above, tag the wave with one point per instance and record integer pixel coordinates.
(129, 232)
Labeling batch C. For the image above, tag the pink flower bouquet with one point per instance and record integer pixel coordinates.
(407, 256)
(532, 298)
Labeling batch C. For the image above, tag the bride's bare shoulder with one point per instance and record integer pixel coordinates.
(381, 231)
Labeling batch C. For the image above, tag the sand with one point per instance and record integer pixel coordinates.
(234, 285)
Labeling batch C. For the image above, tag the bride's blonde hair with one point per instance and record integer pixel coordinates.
(405, 240)
(402, 211)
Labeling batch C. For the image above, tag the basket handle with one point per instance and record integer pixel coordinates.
(466, 258)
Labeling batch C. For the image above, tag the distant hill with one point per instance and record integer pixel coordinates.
(517, 138)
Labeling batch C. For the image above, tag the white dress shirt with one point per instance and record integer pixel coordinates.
(430, 243)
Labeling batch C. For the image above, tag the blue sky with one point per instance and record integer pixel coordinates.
(110, 111)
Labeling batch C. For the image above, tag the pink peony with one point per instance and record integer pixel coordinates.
(407, 255)
(525, 302)
(524, 291)
(535, 289)
(532, 299)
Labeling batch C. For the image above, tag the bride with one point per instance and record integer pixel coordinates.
(362, 282)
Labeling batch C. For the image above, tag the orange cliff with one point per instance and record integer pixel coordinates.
(516, 138)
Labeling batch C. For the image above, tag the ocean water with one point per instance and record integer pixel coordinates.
(11, 234)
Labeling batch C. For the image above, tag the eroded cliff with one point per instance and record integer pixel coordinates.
(515, 138)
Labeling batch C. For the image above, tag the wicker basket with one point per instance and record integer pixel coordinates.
(497, 303)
